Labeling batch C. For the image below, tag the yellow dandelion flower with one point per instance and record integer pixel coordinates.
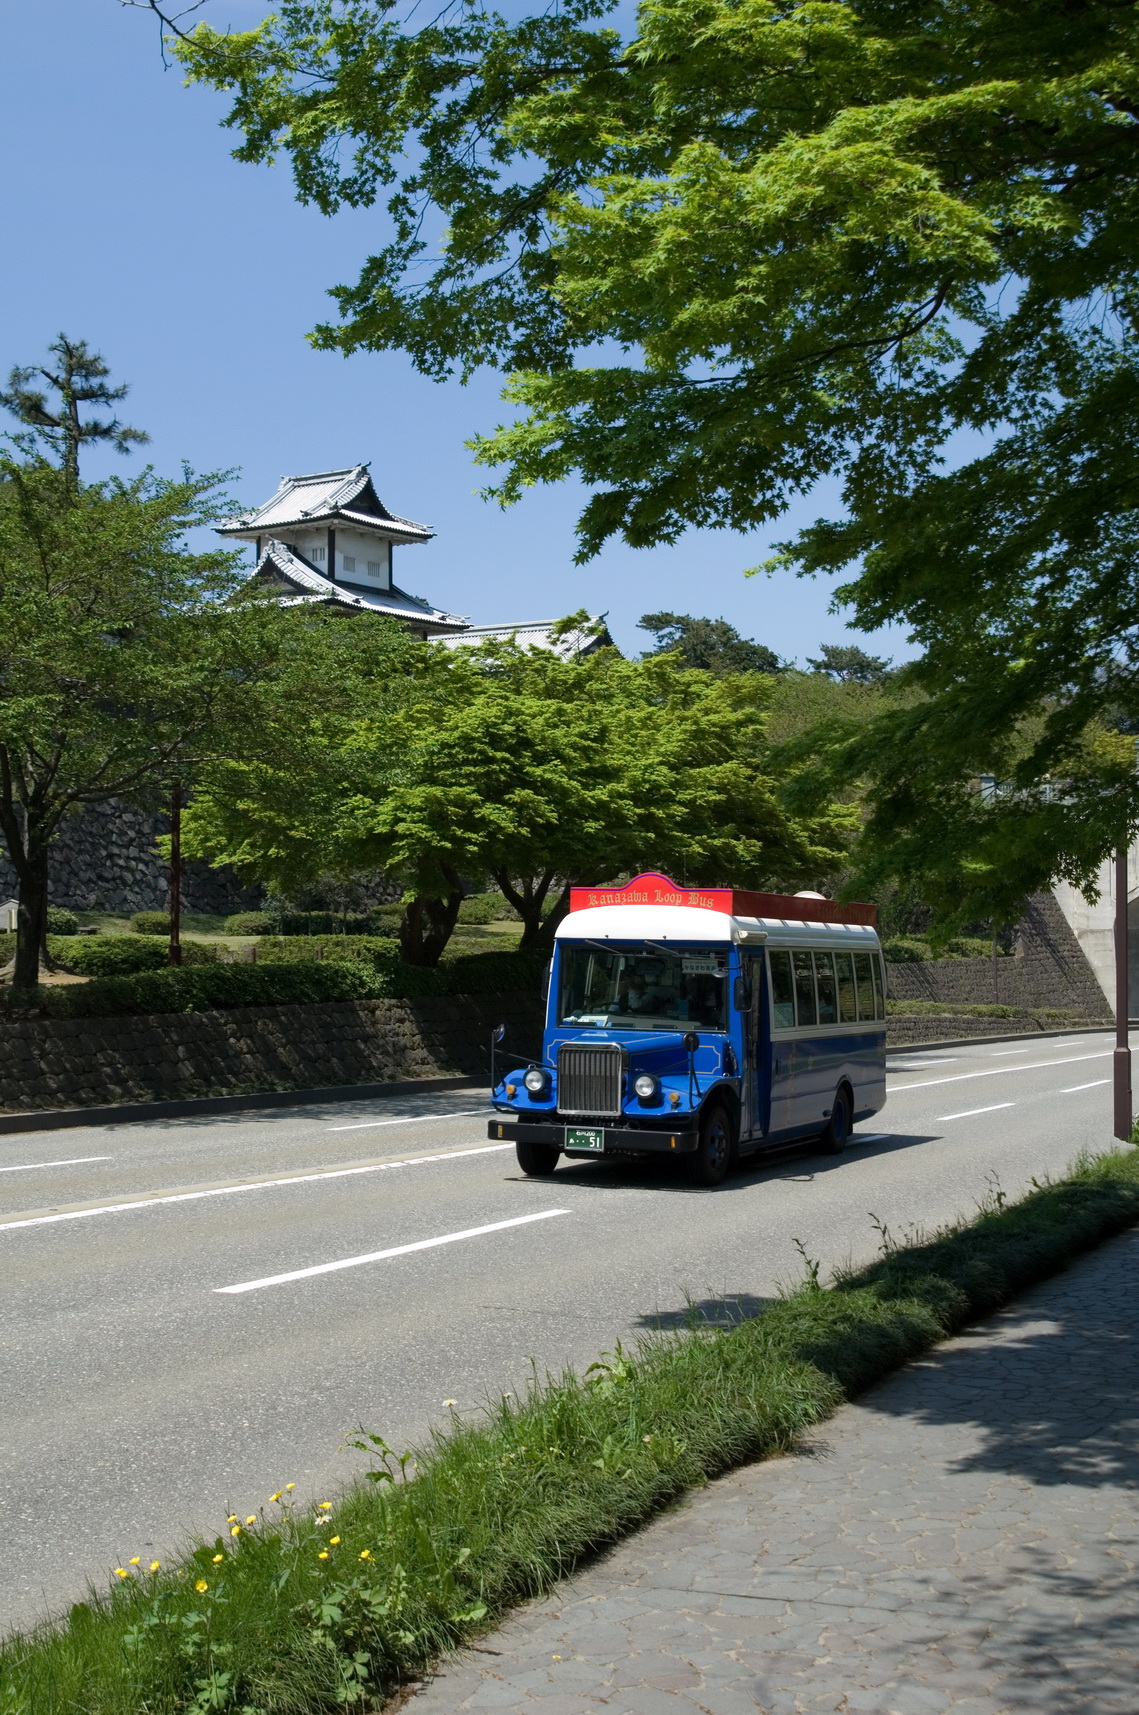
(121, 1572)
(235, 1530)
(450, 1402)
(323, 1555)
(231, 1518)
(155, 1565)
(137, 1561)
(201, 1586)
(218, 1558)
(334, 1540)
(289, 1487)
(252, 1519)
(275, 1497)
(326, 1506)
(365, 1554)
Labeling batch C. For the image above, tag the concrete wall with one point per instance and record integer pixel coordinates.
(60, 1063)
(1048, 968)
(1093, 924)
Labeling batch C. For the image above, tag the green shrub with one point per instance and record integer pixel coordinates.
(206, 988)
(486, 908)
(201, 953)
(915, 949)
(459, 972)
(112, 955)
(151, 922)
(250, 923)
(61, 921)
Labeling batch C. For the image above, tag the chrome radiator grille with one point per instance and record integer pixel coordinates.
(591, 1078)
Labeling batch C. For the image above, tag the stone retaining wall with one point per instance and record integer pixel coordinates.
(1048, 968)
(58, 1063)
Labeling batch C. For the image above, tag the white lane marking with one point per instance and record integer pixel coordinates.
(74, 1161)
(259, 1185)
(414, 1119)
(1002, 1072)
(1094, 1085)
(382, 1256)
(999, 1053)
(969, 1112)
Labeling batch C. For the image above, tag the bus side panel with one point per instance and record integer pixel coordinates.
(868, 1075)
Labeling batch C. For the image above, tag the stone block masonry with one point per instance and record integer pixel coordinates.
(63, 1063)
(1048, 969)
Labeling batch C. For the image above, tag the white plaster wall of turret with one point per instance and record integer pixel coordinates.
(1093, 923)
(368, 557)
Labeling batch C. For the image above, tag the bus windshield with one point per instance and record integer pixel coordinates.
(643, 990)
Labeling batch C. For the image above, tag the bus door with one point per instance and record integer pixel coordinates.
(753, 1082)
(786, 1072)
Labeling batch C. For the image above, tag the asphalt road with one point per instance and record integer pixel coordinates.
(174, 1345)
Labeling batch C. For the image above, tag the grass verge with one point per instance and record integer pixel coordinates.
(294, 1612)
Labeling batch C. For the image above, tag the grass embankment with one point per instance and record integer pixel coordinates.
(295, 1612)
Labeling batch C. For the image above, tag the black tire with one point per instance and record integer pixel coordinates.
(537, 1160)
(834, 1139)
(709, 1165)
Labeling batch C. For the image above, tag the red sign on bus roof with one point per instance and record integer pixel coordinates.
(655, 889)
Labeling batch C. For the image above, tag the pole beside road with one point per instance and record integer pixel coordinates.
(1121, 1060)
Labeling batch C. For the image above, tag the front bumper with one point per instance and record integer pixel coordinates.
(597, 1139)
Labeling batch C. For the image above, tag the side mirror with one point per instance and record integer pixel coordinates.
(742, 995)
(691, 1041)
(499, 1032)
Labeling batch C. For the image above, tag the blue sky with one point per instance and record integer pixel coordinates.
(128, 224)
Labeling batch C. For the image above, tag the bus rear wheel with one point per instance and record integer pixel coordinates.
(837, 1134)
(537, 1160)
(709, 1164)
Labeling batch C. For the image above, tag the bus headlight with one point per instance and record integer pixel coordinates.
(647, 1087)
(537, 1081)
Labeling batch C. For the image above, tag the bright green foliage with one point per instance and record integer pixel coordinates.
(307, 1612)
(115, 955)
(61, 921)
(824, 239)
(533, 770)
(249, 923)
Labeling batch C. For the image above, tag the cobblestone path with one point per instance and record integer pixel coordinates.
(964, 1538)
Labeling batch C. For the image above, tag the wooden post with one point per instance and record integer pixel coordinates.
(1121, 1060)
(174, 954)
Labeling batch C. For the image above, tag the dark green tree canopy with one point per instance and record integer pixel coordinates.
(849, 664)
(709, 644)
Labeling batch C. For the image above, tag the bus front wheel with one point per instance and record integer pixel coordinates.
(537, 1160)
(709, 1164)
(837, 1134)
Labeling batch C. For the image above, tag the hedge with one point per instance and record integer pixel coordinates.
(458, 973)
(206, 988)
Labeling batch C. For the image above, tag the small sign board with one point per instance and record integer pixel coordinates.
(655, 889)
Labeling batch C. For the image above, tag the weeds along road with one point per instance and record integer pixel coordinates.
(176, 1347)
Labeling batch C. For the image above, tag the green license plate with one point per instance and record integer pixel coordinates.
(584, 1137)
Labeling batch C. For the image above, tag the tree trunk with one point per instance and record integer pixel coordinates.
(428, 923)
(529, 900)
(174, 952)
(31, 919)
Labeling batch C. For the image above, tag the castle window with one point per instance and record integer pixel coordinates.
(316, 553)
(376, 569)
(349, 562)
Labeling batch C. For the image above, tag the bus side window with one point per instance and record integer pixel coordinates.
(804, 989)
(782, 993)
(847, 996)
(824, 980)
(879, 985)
(865, 985)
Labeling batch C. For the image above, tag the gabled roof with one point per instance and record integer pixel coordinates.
(535, 634)
(280, 564)
(323, 498)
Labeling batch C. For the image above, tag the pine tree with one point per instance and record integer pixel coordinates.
(78, 379)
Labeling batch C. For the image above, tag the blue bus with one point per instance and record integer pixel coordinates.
(703, 1023)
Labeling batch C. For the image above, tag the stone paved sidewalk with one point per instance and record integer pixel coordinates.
(964, 1538)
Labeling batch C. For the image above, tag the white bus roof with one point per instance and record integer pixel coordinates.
(692, 923)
